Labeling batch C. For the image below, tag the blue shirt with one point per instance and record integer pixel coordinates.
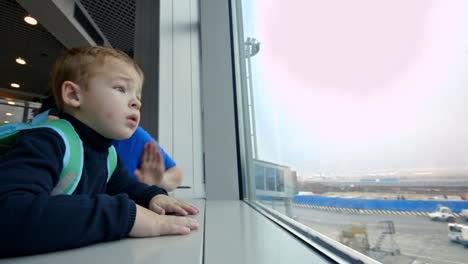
(130, 151)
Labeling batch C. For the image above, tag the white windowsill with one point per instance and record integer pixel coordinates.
(232, 232)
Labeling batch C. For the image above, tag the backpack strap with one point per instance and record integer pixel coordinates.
(111, 162)
(8, 133)
(72, 160)
(74, 154)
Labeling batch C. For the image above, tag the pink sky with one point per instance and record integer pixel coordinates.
(342, 77)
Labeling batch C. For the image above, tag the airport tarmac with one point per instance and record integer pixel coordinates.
(418, 239)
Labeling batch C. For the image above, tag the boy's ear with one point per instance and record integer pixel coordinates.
(71, 94)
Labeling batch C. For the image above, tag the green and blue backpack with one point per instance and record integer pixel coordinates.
(73, 158)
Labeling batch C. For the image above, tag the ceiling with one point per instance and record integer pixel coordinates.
(115, 19)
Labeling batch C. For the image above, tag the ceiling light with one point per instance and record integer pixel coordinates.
(11, 103)
(30, 20)
(15, 85)
(8, 114)
(21, 61)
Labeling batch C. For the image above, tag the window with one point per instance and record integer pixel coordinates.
(14, 111)
(353, 115)
(259, 178)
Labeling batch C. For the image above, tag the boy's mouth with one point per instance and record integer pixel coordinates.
(133, 119)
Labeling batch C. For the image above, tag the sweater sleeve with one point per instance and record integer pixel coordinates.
(122, 182)
(33, 221)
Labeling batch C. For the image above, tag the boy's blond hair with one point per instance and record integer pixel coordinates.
(77, 65)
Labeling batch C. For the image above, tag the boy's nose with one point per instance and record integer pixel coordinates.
(135, 103)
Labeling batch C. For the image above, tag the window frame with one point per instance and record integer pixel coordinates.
(316, 240)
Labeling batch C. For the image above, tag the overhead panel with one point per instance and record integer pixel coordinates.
(115, 19)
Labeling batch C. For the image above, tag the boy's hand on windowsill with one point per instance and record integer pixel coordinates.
(162, 204)
(149, 224)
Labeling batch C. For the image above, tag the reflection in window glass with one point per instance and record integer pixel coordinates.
(11, 114)
(356, 119)
(14, 111)
(270, 179)
(279, 180)
(259, 178)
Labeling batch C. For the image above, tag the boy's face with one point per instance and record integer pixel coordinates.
(110, 103)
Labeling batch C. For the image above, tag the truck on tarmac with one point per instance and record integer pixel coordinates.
(458, 233)
(442, 214)
(464, 213)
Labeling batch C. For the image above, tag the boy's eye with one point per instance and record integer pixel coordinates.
(120, 89)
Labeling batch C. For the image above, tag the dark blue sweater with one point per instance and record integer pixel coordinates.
(32, 221)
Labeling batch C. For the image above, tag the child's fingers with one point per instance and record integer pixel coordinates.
(154, 143)
(139, 175)
(175, 229)
(156, 151)
(187, 222)
(158, 157)
(143, 154)
(193, 224)
(158, 209)
(177, 225)
(172, 228)
(190, 208)
(146, 153)
(174, 208)
(51, 117)
(151, 151)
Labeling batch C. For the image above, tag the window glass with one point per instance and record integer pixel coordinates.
(355, 121)
(279, 180)
(270, 179)
(259, 178)
(14, 111)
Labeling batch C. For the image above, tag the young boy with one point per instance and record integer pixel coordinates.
(139, 154)
(98, 91)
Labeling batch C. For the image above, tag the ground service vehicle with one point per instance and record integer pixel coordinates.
(458, 233)
(464, 213)
(442, 214)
